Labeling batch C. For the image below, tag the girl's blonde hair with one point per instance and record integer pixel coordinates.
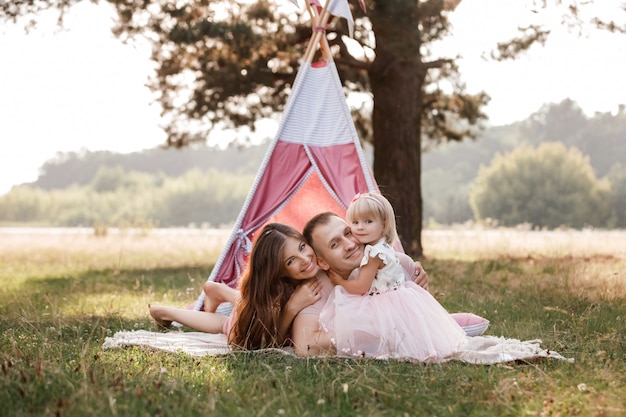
(375, 204)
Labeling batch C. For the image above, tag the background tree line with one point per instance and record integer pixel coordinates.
(115, 197)
(451, 171)
(525, 178)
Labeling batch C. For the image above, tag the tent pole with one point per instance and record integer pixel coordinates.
(313, 12)
(317, 34)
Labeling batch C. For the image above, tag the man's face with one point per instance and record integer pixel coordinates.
(336, 248)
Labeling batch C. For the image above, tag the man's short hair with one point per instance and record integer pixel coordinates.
(317, 220)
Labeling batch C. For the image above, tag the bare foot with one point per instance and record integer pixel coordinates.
(216, 294)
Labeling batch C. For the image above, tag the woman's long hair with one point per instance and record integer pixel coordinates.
(264, 291)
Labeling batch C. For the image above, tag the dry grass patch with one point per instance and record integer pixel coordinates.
(115, 250)
(511, 243)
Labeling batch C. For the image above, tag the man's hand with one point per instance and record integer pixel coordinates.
(335, 278)
(420, 277)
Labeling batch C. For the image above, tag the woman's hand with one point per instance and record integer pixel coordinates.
(304, 295)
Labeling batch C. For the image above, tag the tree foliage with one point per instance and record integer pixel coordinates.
(222, 63)
(449, 169)
(446, 195)
(548, 186)
(617, 179)
(119, 198)
(600, 137)
(80, 168)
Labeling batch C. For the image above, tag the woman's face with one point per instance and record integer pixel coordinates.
(299, 260)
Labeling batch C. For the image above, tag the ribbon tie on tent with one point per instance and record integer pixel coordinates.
(245, 245)
(244, 241)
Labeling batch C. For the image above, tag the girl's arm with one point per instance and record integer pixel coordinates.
(363, 282)
(303, 296)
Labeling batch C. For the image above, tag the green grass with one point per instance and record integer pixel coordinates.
(59, 302)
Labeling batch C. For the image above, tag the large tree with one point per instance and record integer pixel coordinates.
(228, 64)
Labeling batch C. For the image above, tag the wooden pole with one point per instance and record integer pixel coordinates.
(319, 29)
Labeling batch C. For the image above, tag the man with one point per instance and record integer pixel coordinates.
(339, 253)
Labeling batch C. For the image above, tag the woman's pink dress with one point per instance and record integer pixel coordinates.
(396, 319)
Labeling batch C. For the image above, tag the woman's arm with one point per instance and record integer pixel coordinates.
(303, 296)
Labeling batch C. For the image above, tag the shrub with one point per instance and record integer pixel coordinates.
(548, 186)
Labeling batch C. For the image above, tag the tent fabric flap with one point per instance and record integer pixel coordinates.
(342, 170)
(315, 163)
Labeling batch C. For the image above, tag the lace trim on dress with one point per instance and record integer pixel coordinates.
(374, 251)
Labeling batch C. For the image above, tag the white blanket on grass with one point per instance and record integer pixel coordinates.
(483, 350)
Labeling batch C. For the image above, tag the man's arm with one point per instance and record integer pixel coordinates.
(413, 270)
(309, 339)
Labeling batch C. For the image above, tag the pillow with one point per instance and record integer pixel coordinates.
(472, 324)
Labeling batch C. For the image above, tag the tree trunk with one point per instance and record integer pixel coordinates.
(396, 78)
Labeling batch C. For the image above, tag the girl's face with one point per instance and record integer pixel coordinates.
(367, 228)
(299, 260)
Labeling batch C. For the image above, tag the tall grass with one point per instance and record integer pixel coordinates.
(61, 295)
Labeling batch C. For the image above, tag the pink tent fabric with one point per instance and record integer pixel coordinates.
(314, 164)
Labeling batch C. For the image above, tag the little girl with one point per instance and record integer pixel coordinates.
(379, 314)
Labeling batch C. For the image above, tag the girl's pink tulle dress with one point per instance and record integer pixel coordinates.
(396, 319)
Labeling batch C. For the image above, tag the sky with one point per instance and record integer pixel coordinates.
(80, 88)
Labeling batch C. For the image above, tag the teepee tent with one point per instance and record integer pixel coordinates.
(314, 164)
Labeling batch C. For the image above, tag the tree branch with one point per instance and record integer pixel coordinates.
(438, 63)
(345, 57)
(512, 48)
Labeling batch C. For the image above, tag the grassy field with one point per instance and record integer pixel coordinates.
(62, 294)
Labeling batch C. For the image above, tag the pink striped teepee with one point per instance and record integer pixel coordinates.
(314, 164)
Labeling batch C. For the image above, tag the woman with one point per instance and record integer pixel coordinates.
(278, 282)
